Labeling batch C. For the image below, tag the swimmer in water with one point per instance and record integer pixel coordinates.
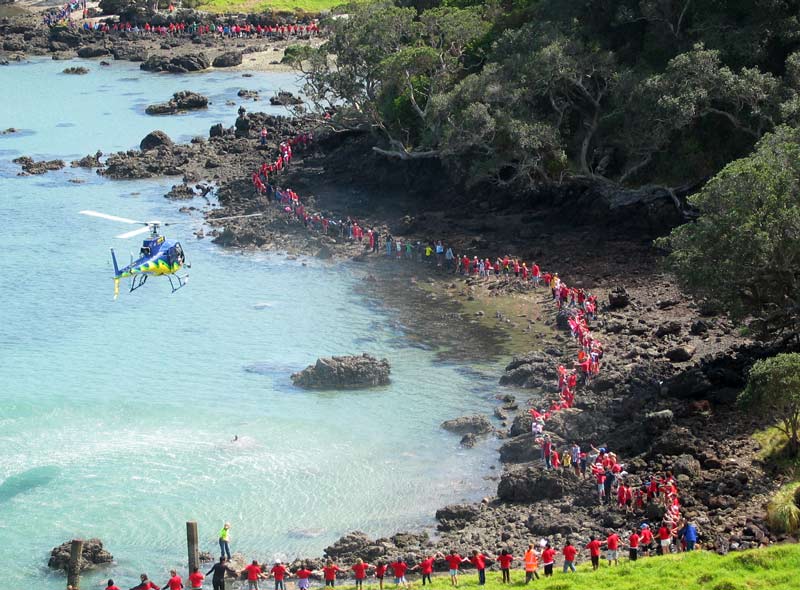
(235, 438)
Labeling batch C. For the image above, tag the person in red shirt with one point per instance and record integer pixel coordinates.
(478, 559)
(664, 540)
(329, 573)
(400, 568)
(279, 572)
(633, 545)
(454, 561)
(111, 585)
(425, 568)
(646, 539)
(360, 570)
(303, 576)
(548, 557)
(594, 552)
(254, 574)
(505, 559)
(380, 572)
(569, 553)
(175, 582)
(196, 579)
(146, 584)
(612, 546)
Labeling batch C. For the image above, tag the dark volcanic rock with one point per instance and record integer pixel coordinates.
(285, 98)
(129, 53)
(533, 370)
(618, 298)
(469, 440)
(456, 516)
(154, 139)
(520, 449)
(180, 191)
(680, 354)
(79, 70)
(477, 424)
(93, 554)
(184, 100)
(181, 64)
(689, 384)
(344, 372)
(92, 51)
(90, 161)
(31, 167)
(529, 484)
(658, 421)
(228, 59)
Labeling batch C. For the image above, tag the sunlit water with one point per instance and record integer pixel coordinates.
(116, 418)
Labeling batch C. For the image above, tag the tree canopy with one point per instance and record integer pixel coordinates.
(520, 92)
(743, 251)
(773, 391)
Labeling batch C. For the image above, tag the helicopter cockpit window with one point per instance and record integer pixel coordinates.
(177, 253)
(145, 251)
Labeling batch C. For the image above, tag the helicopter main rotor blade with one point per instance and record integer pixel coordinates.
(111, 217)
(133, 233)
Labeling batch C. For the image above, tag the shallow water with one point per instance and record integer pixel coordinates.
(116, 418)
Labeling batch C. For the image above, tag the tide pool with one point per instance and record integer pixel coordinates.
(117, 418)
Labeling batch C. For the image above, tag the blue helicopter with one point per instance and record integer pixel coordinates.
(158, 256)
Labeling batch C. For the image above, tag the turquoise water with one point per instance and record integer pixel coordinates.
(116, 418)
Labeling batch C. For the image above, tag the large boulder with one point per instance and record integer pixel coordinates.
(344, 372)
(680, 354)
(32, 167)
(691, 384)
(618, 298)
(93, 555)
(520, 449)
(180, 64)
(228, 59)
(456, 516)
(531, 484)
(475, 424)
(522, 424)
(657, 422)
(356, 545)
(154, 139)
(686, 465)
(533, 370)
(284, 98)
(185, 100)
(92, 51)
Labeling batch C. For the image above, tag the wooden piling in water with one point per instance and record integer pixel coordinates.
(74, 568)
(192, 544)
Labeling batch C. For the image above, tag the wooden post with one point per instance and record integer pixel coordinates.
(192, 543)
(74, 568)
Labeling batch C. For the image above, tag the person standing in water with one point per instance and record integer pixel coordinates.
(225, 541)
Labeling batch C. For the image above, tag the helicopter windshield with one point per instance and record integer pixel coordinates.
(176, 253)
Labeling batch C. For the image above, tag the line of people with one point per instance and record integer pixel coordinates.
(191, 29)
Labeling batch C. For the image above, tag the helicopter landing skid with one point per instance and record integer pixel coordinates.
(179, 282)
(138, 281)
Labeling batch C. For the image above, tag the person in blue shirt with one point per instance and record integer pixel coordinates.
(688, 534)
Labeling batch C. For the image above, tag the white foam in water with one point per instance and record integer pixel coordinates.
(133, 404)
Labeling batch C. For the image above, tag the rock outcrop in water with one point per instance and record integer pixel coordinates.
(29, 166)
(93, 555)
(185, 100)
(477, 424)
(344, 372)
(181, 64)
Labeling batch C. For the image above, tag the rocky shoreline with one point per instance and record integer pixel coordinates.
(671, 372)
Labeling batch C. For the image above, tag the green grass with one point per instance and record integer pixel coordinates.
(283, 6)
(773, 568)
(774, 452)
(783, 514)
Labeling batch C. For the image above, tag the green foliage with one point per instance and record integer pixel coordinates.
(744, 249)
(773, 390)
(783, 513)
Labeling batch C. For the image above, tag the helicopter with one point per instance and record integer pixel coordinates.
(158, 256)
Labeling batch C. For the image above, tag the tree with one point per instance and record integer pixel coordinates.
(773, 391)
(743, 251)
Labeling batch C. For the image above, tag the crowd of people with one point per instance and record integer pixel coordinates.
(219, 30)
(62, 13)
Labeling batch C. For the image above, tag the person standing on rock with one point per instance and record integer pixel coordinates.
(548, 558)
(225, 541)
(478, 559)
(547, 449)
(254, 574)
(454, 561)
(531, 564)
(219, 570)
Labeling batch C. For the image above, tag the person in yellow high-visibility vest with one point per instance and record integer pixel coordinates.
(531, 564)
(224, 541)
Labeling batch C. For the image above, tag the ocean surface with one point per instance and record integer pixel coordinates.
(117, 418)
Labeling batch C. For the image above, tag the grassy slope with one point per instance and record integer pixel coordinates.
(234, 6)
(774, 568)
